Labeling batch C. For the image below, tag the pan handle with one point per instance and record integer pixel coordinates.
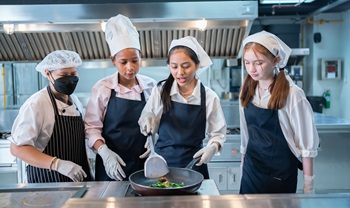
(194, 161)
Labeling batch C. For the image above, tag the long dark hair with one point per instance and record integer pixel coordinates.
(279, 88)
(165, 94)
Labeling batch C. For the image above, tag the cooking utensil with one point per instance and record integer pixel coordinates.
(191, 178)
(155, 165)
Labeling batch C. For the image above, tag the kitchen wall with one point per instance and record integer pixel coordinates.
(334, 44)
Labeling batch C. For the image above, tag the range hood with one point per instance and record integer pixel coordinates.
(297, 55)
(40, 29)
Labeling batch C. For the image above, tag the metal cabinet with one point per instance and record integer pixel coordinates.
(8, 165)
(227, 176)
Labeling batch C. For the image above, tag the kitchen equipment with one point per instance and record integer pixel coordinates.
(155, 165)
(191, 178)
(228, 22)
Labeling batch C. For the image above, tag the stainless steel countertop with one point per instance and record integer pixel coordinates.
(56, 194)
(330, 124)
(225, 201)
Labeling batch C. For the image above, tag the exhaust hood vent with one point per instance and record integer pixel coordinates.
(228, 23)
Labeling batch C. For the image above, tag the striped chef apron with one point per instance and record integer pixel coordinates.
(67, 142)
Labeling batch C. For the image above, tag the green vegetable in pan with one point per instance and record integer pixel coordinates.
(164, 183)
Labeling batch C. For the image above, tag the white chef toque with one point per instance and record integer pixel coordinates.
(192, 43)
(120, 34)
(59, 59)
(272, 43)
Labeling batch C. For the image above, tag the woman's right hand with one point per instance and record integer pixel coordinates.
(112, 162)
(71, 170)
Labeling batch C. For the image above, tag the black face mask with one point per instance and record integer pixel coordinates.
(65, 85)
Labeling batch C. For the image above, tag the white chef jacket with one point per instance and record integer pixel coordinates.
(36, 118)
(215, 120)
(296, 120)
(100, 94)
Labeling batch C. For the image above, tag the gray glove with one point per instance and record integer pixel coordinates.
(147, 124)
(71, 170)
(148, 151)
(207, 153)
(112, 162)
(309, 184)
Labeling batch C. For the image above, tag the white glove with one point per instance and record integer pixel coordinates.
(309, 184)
(71, 170)
(207, 153)
(148, 151)
(147, 124)
(112, 162)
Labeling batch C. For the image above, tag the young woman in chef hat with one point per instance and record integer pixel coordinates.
(183, 111)
(115, 105)
(277, 125)
(48, 133)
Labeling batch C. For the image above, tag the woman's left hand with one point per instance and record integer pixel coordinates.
(207, 153)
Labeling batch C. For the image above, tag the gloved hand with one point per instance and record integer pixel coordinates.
(71, 170)
(147, 124)
(112, 162)
(207, 153)
(309, 184)
(148, 151)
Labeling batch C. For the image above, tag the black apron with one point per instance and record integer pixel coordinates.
(122, 135)
(269, 164)
(67, 142)
(181, 134)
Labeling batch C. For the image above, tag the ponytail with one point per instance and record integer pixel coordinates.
(165, 93)
(279, 91)
(247, 90)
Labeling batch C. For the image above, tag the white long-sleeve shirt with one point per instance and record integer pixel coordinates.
(36, 118)
(296, 120)
(99, 98)
(215, 120)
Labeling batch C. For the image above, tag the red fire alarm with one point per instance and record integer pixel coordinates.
(331, 69)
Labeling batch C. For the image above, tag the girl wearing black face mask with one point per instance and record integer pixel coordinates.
(65, 84)
(48, 133)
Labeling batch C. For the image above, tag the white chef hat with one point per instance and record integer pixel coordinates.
(59, 59)
(272, 43)
(192, 43)
(120, 34)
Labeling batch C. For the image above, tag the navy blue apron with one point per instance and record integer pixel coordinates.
(122, 135)
(181, 134)
(269, 164)
(67, 142)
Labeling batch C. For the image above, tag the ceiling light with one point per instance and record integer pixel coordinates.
(103, 25)
(285, 1)
(9, 28)
(202, 24)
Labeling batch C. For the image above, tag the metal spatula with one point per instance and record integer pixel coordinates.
(155, 165)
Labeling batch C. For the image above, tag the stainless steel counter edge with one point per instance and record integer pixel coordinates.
(225, 201)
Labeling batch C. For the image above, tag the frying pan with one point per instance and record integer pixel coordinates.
(191, 178)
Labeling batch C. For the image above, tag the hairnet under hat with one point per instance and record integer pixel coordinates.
(120, 34)
(272, 43)
(192, 43)
(59, 59)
